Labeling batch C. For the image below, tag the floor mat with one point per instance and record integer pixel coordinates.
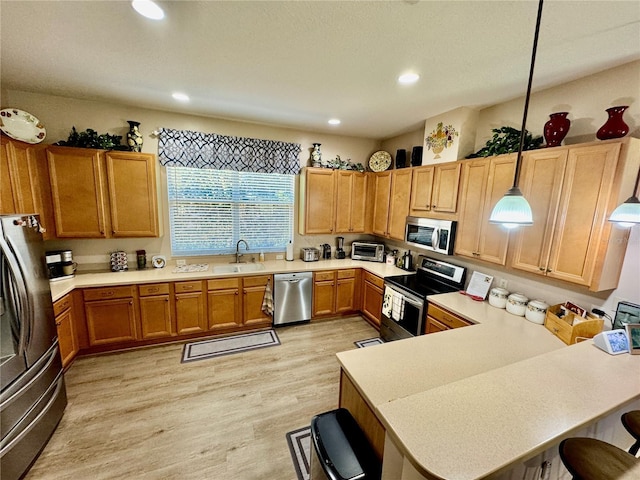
(224, 346)
(300, 447)
(368, 342)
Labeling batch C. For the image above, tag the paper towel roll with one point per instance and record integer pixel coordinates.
(289, 255)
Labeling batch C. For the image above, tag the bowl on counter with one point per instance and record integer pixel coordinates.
(536, 311)
(498, 297)
(517, 304)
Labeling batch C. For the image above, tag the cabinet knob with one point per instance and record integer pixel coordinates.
(108, 294)
(237, 293)
(548, 270)
(542, 269)
(131, 302)
(433, 206)
(166, 299)
(58, 323)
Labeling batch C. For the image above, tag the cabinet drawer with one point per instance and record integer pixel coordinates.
(349, 273)
(61, 305)
(559, 328)
(223, 283)
(447, 318)
(153, 289)
(107, 293)
(186, 287)
(371, 278)
(256, 281)
(323, 276)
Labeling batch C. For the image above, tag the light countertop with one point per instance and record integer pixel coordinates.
(155, 275)
(498, 392)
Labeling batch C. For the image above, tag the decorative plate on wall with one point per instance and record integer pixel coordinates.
(380, 161)
(21, 125)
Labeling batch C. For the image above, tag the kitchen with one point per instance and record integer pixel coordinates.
(592, 94)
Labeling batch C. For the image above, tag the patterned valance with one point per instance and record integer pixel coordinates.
(184, 148)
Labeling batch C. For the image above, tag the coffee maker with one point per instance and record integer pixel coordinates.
(326, 251)
(60, 264)
(340, 247)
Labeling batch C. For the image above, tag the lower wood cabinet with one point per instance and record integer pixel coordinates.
(190, 307)
(372, 293)
(439, 319)
(334, 292)
(67, 340)
(110, 314)
(224, 304)
(253, 290)
(155, 311)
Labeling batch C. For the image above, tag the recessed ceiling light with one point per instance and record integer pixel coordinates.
(148, 9)
(334, 121)
(181, 97)
(408, 78)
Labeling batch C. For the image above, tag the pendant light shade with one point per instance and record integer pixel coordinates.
(628, 214)
(513, 210)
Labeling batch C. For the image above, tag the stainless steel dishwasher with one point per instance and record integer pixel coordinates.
(292, 297)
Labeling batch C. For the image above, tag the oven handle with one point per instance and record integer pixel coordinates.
(415, 301)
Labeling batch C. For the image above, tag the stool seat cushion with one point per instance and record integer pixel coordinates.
(631, 421)
(592, 459)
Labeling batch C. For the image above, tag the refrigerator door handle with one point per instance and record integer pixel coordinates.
(23, 305)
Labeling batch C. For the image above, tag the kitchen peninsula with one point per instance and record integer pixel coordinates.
(491, 400)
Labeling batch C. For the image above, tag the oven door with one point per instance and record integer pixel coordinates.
(409, 322)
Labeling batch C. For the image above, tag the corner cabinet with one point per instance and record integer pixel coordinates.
(434, 191)
(117, 191)
(484, 182)
(572, 191)
(392, 196)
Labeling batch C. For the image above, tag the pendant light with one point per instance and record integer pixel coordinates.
(513, 210)
(628, 214)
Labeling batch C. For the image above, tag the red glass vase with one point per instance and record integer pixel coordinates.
(556, 128)
(614, 127)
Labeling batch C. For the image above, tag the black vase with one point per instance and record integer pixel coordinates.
(416, 156)
(401, 158)
(134, 137)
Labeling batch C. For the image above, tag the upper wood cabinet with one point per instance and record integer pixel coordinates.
(351, 201)
(98, 194)
(483, 183)
(572, 192)
(434, 191)
(392, 195)
(317, 201)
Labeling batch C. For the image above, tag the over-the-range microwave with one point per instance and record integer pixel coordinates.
(431, 234)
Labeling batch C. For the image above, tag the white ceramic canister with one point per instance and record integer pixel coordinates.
(498, 297)
(517, 304)
(536, 311)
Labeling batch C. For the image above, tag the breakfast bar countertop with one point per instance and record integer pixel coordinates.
(498, 392)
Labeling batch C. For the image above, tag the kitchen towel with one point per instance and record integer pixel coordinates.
(397, 307)
(267, 300)
(387, 301)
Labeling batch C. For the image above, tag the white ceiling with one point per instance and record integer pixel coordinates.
(299, 63)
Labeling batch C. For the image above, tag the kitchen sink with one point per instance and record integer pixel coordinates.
(238, 268)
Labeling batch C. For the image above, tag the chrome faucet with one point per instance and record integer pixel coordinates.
(238, 254)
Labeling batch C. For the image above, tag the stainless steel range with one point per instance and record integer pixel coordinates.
(404, 308)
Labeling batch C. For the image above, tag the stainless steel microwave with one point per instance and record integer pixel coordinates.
(373, 252)
(431, 234)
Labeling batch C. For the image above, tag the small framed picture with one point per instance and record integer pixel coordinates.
(633, 334)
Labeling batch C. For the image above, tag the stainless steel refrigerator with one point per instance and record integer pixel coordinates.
(32, 394)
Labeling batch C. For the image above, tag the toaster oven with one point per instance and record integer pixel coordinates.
(372, 252)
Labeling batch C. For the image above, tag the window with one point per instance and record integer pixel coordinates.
(210, 210)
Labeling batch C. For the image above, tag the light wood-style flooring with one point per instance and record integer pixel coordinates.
(143, 415)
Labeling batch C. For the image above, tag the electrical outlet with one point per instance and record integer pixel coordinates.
(502, 283)
(279, 257)
(181, 263)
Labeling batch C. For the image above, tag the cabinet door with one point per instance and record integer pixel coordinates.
(318, 194)
(324, 300)
(155, 316)
(358, 202)
(345, 293)
(541, 181)
(434, 326)
(382, 193)
(588, 181)
(372, 303)
(132, 194)
(343, 204)
(400, 202)
(494, 239)
(66, 336)
(253, 289)
(225, 308)
(472, 192)
(77, 191)
(110, 321)
(445, 187)
(190, 316)
(7, 188)
(421, 188)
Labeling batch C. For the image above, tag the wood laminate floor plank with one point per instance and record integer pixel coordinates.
(142, 414)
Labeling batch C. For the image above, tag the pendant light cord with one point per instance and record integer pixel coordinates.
(516, 176)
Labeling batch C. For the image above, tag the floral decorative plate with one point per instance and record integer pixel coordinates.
(380, 161)
(21, 125)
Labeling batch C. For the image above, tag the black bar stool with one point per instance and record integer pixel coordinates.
(631, 421)
(592, 459)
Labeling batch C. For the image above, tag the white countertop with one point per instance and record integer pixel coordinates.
(497, 392)
(155, 275)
